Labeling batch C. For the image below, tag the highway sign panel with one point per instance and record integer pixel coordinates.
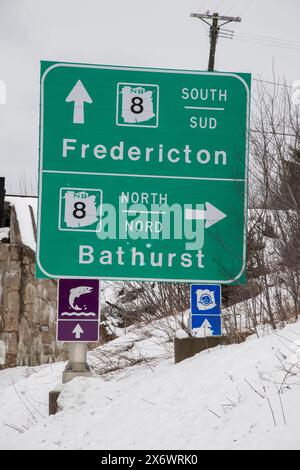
(143, 173)
(78, 305)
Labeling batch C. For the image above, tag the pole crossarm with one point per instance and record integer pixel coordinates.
(216, 16)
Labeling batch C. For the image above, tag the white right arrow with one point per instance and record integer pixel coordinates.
(79, 95)
(211, 215)
(78, 331)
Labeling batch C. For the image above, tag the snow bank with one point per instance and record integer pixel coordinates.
(224, 398)
(142, 346)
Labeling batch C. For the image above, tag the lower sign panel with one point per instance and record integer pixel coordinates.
(206, 325)
(78, 331)
(142, 228)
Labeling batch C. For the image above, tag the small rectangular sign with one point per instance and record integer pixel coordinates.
(78, 306)
(206, 325)
(206, 310)
(205, 299)
(84, 331)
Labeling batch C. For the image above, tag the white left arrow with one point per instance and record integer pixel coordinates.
(79, 96)
(211, 214)
(78, 331)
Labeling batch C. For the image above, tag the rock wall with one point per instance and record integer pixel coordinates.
(27, 311)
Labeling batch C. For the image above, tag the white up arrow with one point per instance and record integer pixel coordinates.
(78, 331)
(211, 215)
(205, 330)
(79, 95)
(206, 326)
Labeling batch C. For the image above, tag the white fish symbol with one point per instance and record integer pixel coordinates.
(76, 293)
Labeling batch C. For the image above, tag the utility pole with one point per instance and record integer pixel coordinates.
(214, 31)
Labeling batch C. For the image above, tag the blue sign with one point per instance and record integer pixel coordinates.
(206, 309)
(211, 325)
(205, 299)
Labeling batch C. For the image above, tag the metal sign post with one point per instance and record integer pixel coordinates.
(77, 365)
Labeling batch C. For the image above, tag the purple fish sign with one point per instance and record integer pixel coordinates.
(78, 305)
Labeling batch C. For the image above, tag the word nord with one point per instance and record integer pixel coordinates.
(141, 226)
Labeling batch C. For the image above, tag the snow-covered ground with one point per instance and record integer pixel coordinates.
(231, 397)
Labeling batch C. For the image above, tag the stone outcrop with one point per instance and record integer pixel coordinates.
(27, 307)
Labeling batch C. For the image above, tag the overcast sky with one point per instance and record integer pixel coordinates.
(152, 33)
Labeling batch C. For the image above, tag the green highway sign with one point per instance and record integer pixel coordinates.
(142, 173)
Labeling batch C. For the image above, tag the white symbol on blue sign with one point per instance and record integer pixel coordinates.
(205, 298)
(206, 310)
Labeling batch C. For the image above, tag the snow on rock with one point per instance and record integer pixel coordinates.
(2, 352)
(22, 207)
(230, 397)
(181, 334)
(4, 233)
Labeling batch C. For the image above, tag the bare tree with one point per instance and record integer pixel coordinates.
(276, 171)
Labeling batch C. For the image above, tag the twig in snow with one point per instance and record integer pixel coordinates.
(264, 398)
(286, 339)
(24, 403)
(150, 402)
(108, 398)
(281, 404)
(215, 414)
(29, 398)
(254, 389)
(15, 428)
(272, 412)
(144, 358)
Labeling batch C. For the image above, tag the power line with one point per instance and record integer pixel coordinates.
(264, 42)
(275, 133)
(272, 83)
(235, 3)
(261, 43)
(203, 3)
(269, 38)
(246, 8)
(220, 4)
(260, 37)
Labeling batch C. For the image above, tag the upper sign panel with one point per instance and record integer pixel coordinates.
(165, 150)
